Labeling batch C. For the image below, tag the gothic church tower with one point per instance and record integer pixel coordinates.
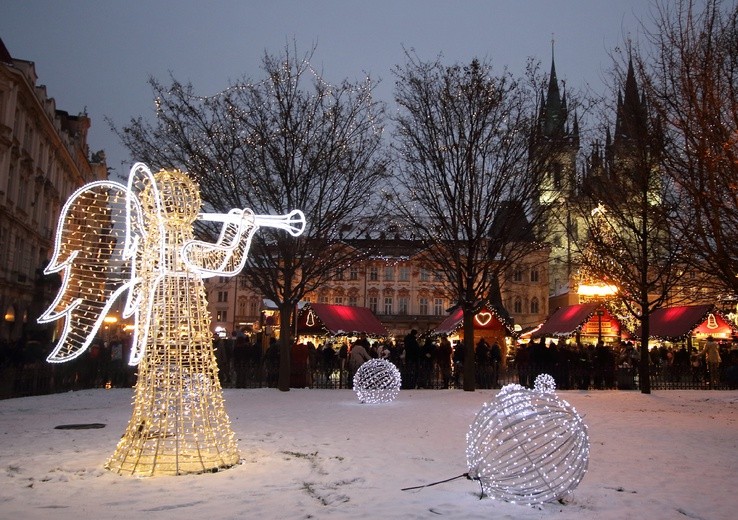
(554, 149)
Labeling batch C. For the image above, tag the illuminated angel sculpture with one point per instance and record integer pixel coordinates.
(136, 242)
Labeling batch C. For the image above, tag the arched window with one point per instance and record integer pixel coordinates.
(518, 306)
(534, 306)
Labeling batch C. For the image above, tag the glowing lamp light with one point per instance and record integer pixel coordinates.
(597, 290)
(138, 241)
(377, 381)
(528, 446)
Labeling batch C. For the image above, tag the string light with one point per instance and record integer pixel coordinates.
(528, 446)
(138, 239)
(377, 381)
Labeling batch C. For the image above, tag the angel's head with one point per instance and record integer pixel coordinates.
(180, 196)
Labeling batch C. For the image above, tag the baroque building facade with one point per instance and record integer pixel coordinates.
(394, 279)
(44, 158)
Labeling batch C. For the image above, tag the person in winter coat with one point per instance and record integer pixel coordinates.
(712, 359)
(358, 355)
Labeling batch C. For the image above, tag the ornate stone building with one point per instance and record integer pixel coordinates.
(394, 279)
(44, 157)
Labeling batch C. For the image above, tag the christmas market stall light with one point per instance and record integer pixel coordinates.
(377, 381)
(137, 242)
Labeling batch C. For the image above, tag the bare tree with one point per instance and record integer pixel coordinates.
(465, 181)
(628, 208)
(692, 86)
(289, 141)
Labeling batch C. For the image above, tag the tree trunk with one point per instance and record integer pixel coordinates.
(285, 347)
(470, 372)
(644, 371)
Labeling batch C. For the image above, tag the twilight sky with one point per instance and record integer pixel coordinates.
(98, 54)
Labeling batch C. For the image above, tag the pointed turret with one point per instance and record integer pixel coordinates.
(632, 121)
(554, 117)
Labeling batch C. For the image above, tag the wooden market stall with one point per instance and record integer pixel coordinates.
(689, 324)
(325, 320)
(587, 322)
(490, 322)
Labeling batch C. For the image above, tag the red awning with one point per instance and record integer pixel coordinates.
(336, 320)
(566, 321)
(676, 323)
(452, 322)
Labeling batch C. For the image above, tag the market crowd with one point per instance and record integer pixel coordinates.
(425, 362)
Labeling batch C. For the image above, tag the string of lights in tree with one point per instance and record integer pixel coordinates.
(528, 446)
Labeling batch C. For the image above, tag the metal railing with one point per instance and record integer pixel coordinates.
(44, 378)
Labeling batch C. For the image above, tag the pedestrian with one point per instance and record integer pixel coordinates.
(712, 359)
(443, 358)
(412, 359)
(458, 359)
(358, 355)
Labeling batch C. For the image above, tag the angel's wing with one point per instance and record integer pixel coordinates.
(93, 252)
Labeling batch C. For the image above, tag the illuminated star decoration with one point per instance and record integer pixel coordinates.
(137, 240)
(528, 446)
(377, 381)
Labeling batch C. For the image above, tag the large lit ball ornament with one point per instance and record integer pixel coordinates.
(377, 381)
(528, 446)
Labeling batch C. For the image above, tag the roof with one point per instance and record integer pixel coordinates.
(338, 320)
(566, 321)
(676, 323)
(483, 319)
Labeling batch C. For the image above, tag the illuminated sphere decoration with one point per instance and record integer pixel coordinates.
(377, 381)
(528, 446)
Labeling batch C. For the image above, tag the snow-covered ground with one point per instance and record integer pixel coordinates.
(321, 454)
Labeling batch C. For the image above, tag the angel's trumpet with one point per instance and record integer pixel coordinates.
(293, 222)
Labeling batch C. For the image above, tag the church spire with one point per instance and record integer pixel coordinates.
(631, 120)
(554, 117)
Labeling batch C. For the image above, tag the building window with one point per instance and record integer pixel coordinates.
(534, 274)
(404, 274)
(354, 273)
(517, 275)
(518, 306)
(438, 306)
(222, 296)
(323, 298)
(338, 300)
(437, 276)
(221, 316)
(338, 274)
(353, 301)
(534, 306)
(423, 306)
(403, 303)
(424, 275)
(373, 273)
(254, 307)
(373, 304)
(388, 305)
(389, 273)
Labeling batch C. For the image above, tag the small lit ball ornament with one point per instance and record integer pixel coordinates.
(377, 381)
(528, 446)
